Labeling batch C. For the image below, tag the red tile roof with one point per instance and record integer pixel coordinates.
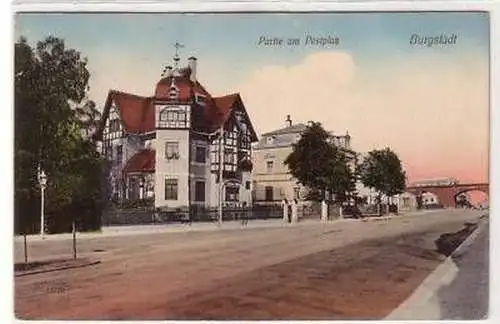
(143, 161)
(187, 88)
(219, 113)
(138, 113)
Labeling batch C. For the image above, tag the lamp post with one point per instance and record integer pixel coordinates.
(42, 180)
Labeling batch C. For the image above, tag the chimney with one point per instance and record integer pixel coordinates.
(192, 67)
(288, 121)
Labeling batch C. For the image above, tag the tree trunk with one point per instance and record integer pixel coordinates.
(379, 205)
(25, 249)
(74, 240)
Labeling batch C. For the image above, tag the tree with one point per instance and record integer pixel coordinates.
(382, 171)
(88, 117)
(319, 165)
(52, 117)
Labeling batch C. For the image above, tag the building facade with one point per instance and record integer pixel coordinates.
(180, 147)
(272, 180)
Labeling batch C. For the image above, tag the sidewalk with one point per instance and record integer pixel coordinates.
(170, 228)
(457, 289)
(131, 230)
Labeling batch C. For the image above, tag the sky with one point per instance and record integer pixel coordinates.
(428, 104)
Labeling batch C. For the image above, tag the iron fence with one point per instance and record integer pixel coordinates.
(150, 215)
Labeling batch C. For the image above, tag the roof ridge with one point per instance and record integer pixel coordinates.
(284, 129)
(235, 94)
(112, 91)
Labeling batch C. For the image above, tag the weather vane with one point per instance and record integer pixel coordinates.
(177, 45)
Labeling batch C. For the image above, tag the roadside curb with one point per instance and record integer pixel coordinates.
(441, 276)
(86, 264)
(468, 241)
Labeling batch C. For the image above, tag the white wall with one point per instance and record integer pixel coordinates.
(176, 169)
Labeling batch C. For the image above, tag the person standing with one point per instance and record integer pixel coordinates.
(284, 204)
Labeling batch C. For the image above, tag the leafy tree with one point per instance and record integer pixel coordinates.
(319, 165)
(382, 171)
(53, 119)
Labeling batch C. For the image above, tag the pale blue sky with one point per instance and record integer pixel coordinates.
(419, 101)
(233, 36)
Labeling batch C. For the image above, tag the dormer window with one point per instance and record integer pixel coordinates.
(173, 92)
(173, 117)
(200, 99)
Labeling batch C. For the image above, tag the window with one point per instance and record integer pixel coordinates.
(270, 139)
(171, 189)
(269, 193)
(175, 117)
(163, 115)
(172, 150)
(247, 185)
(199, 191)
(201, 154)
(119, 153)
(114, 125)
(232, 193)
(269, 166)
(228, 156)
(230, 159)
(200, 99)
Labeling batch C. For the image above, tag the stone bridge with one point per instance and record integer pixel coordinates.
(447, 194)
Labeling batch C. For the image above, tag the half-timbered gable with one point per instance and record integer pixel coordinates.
(169, 145)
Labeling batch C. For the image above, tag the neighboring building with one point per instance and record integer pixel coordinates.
(428, 198)
(271, 177)
(407, 202)
(166, 147)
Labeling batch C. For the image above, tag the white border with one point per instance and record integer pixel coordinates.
(229, 6)
(6, 127)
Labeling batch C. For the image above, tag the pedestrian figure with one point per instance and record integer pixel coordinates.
(284, 204)
(244, 217)
(293, 208)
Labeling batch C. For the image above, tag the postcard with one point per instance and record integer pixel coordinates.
(251, 165)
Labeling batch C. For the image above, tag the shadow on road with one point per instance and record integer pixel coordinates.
(467, 296)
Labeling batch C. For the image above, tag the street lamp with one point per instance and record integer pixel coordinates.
(42, 180)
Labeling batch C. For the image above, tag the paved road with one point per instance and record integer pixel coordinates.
(142, 276)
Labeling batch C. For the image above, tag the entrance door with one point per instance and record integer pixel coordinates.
(269, 193)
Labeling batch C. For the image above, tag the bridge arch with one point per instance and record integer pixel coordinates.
(485, 196)
(447, 194)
